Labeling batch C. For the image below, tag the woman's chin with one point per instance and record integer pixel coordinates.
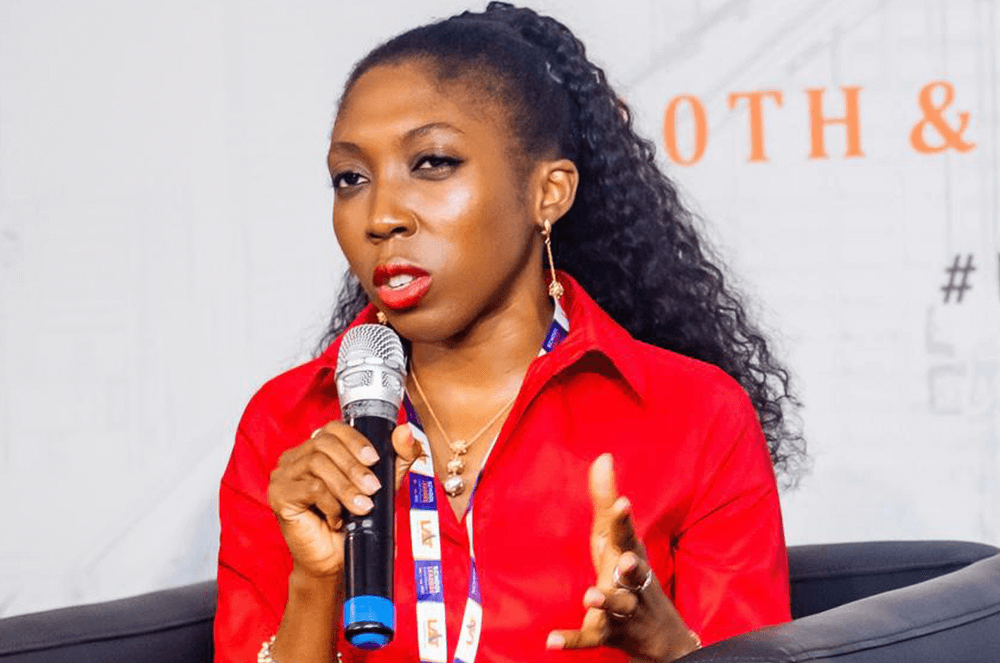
(422, 324)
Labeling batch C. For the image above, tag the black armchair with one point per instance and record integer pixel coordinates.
(883, 602)
(170, 626)
(890, 602)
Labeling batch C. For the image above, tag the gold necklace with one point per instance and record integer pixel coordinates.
(454, 485)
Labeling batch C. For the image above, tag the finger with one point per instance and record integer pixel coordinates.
(289, 456)
(335, 481)
(408, 450)
(622, 535)
(288, 499)
(632, 570)
(359, 474)
(580, 639)
(295, 500)
(593, 598)
(593, 632)
(329, 509)
(620, 604)
(359, 445)
(350, 436)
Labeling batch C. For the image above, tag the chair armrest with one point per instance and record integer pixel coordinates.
(826, 576)
(168, 626)
(951, 619)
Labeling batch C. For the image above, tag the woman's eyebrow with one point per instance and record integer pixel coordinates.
(409, 136)
(345, 146)
(424, 129)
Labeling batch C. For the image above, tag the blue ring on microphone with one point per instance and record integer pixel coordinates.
(377, 609)
(369, 641)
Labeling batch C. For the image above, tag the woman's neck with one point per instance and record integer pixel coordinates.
(492, 356)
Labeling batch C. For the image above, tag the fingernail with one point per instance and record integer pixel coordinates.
(368, 455)
(555, 641)
(623, 505)
(629, 562)
(363, 503)
(370, 483)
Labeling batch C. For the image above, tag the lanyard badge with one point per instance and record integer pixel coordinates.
(425, 541)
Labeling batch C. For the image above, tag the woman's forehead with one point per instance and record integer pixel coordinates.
(397, 98)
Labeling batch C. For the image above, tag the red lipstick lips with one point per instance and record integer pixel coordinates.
(401, 294)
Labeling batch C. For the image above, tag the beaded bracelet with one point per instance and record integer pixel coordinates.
(264, 655)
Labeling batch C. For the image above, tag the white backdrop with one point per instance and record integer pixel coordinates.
(165, 247)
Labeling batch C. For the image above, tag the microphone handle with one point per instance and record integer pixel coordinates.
(369, 613)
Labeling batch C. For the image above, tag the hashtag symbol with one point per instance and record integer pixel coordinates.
(963, 284)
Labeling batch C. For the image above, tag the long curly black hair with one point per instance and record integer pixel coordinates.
(628, 239)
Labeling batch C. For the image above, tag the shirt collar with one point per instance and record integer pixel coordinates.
(591, 330)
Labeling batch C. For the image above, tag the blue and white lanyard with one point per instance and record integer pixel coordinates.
(425, 539)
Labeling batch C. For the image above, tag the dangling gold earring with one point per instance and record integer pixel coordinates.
(555, 287)
(381, 317)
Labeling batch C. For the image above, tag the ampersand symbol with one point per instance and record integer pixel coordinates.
(933, 116)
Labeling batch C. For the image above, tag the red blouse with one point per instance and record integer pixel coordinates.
(688, 450)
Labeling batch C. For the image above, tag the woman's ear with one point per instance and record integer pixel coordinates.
(556, 189)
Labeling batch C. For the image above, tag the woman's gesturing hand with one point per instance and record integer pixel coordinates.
(627, 608)
(316, 480)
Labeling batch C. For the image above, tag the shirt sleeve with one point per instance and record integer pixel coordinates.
(730, 559)
(254, 563)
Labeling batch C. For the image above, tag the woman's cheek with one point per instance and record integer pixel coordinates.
(454, 202)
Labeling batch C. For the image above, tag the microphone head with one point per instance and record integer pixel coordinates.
(371, 369)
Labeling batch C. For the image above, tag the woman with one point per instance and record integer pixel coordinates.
(625, 416)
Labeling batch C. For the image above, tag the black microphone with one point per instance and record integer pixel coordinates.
(371, 369)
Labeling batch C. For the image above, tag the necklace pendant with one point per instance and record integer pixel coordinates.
(456, 465)
(454, 486)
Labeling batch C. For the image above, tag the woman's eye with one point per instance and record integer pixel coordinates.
(347, 179)
(436, 162)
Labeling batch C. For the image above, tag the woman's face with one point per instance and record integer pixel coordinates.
(428, 207)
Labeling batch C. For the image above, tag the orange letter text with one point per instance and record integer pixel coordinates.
(670, 130)
(756, 105)
(851, 120)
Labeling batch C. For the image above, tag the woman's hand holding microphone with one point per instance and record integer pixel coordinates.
(308, 491)
(314, 481)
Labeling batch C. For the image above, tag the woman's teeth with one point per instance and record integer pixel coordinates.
(399, 280)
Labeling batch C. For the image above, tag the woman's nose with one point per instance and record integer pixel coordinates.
(389, 216)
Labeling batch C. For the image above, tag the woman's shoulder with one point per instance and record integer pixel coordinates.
(699, 404)
(669, 372)
(660, 377)
(280, 414)
(685, 389)
(285, 393)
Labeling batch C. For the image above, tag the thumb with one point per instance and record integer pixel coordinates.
(408, 450)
